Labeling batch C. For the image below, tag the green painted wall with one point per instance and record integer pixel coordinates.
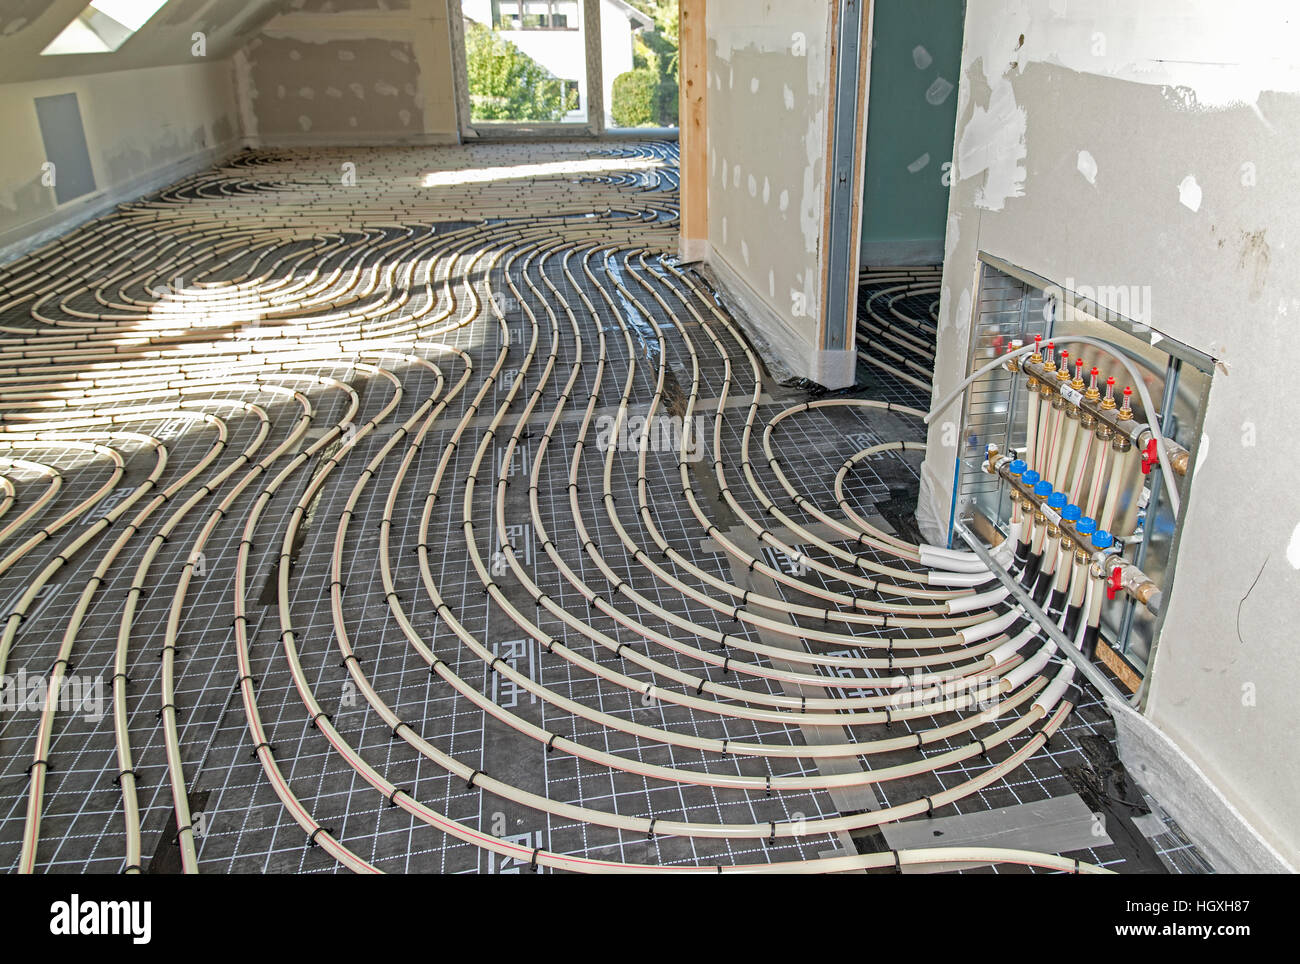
(912, 111)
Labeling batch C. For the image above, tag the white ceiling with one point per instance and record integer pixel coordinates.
(27, 26)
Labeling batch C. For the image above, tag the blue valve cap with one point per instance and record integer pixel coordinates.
(1056, 501)
(1030, 477)
(1071, 513)
(1086, 526)
(1102, 539)
(1043, 489)
(1017, 467)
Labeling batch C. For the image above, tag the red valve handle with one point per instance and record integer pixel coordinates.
(1150, 459)
(1114, 584)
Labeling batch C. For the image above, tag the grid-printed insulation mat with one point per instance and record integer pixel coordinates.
(332, 540)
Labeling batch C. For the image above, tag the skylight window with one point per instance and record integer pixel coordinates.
(103, 26)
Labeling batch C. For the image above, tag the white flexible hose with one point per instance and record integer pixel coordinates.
(1031, 429)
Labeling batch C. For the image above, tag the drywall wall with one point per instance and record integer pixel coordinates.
(350, 72)
(768, 77)
(915, 59)
(161, 106)
(1121, 144)
(191, 120)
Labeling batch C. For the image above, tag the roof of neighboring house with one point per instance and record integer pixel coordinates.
(632, 13)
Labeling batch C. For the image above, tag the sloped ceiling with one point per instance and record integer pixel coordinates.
(27, 26)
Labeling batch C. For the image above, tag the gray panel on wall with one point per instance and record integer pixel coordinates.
(65, 146)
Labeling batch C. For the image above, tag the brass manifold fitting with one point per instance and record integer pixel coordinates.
(1136, 583)
(1133, 580)
(1127, 431)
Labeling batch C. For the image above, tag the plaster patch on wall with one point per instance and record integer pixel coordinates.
(1087, 166)
(1160, 43)
(1293, 548)
(921, 57)
(938, 91)
(788, 96)
(1189, 193)
(810, 207)
(1202, 450)
(962, 315)
(246, 91)
(919, 164)
(810, 212)
(993, 144)
(1255, 258)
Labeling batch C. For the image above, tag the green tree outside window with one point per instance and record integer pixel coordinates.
(507, 84)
